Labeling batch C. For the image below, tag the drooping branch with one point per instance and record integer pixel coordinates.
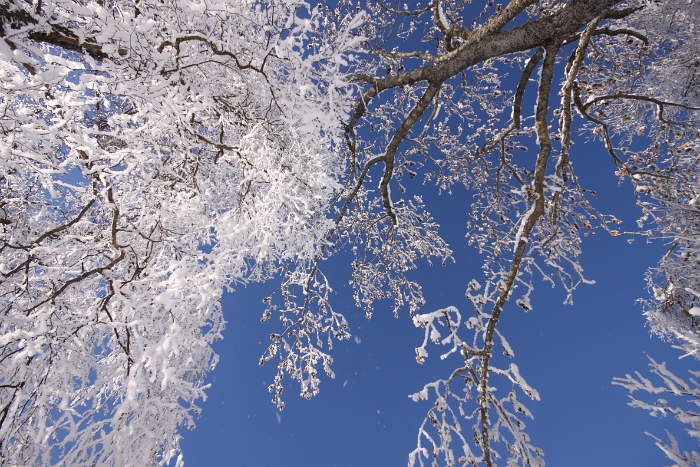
(390, 155)
(516, 114)
(527, 223)
(572, 71)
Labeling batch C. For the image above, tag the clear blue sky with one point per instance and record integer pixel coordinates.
(363, 417)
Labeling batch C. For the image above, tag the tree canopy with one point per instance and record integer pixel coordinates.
(156, 153)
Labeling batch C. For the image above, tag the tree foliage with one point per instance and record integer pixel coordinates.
(155, 153)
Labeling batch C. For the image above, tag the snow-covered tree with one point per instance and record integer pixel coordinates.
(446, 92)
(155, 153)
(669, 201)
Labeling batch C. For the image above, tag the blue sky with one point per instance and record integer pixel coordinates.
(363, 417)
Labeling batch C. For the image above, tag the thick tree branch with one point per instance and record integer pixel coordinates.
(543, 32)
